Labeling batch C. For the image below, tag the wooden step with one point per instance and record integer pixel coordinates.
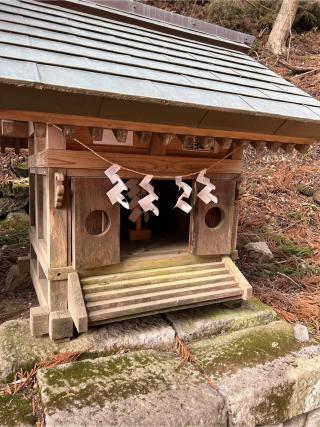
(142, 307)
(155, 296)
(125, 294)
(111, 292)
(108, 278)
(218, 274)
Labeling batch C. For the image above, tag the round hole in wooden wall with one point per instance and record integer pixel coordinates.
(97, 222)
(213, 217)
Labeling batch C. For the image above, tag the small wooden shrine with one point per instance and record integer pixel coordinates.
(136, 132)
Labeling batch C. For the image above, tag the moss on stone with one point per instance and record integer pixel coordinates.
(225, 354)
(14, 230)
(275, 408)
(16, 410)
(93, 382)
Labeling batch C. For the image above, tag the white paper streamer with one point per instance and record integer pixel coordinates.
(205, 194)
(147, 202)
(182, 204)
(115, 193)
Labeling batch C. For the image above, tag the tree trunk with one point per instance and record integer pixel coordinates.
(282, 27)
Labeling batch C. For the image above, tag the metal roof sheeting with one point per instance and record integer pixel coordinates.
(152, 12)
(51, 47)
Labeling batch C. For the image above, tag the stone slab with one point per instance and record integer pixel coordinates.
(208, 321)
(19, 349)
(273, 392)
(265, 375)
(142, 388)
(225, 354)
(16, 411)
(313, 419)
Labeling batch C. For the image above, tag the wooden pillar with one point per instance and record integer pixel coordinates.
(51, 238)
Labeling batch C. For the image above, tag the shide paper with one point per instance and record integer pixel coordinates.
(147, 202)
(115, 194)
(182, 204)
(205, 194)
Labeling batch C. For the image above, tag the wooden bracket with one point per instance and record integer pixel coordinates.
(68, 131)
(288, 148)
(273, 146)
(302, 148)
(167, 138)
(144, 137)
(225, 143)
(259, 146)
(58, 189)
(120, 134)
(96, 134)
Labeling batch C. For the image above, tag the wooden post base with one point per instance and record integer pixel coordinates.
(39, 321)
(60, 325)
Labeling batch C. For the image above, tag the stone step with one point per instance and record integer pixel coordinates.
(135, 389)
(260, 376)
(19, 349)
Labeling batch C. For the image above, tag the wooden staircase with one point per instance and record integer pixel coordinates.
(142, 292)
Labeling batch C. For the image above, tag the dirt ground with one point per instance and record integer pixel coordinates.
(272, 208)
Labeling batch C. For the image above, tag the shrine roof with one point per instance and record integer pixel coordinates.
(118, 67)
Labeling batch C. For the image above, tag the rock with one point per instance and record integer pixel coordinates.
(16, 280)
(313, 419)
(20, 215)
(134, 389)
(16, 411)
(258, 252)
(9, 204)
(15, 196)
(21, 170)
(18, 349)
(316, 196)
(225, 354)
(273, 392)
(217, 319)
(301, 332)
(14, 228)
(306, 189)
(297, 421)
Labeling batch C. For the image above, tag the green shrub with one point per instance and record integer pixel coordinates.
(249, 17)
(308, 16)
(253, 16)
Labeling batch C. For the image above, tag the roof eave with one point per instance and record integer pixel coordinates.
(54, 100)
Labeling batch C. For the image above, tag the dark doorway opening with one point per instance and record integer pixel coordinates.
(168, 230)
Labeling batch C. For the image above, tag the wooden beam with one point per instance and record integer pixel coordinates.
(148, 127)
(15, 129)
(243, 282)
(159, 165)
(76, 304)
